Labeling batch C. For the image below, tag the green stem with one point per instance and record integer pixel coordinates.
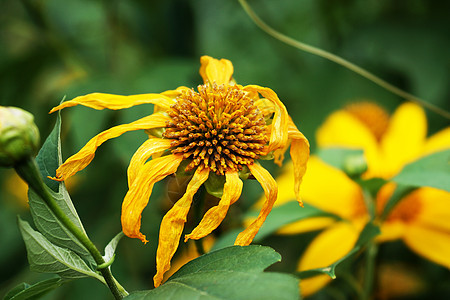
(28, 170)
(369, 275)
(199, 204)
(339, 60)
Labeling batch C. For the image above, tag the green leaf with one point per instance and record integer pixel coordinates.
(51, 227)
(25, 291)
(432, 170)
(45, 257)
(367, 234)
(110, 249)
(48, 160)
(49, 157)
(285, 214)
(399, 193)
(232, 273)
(342, 158)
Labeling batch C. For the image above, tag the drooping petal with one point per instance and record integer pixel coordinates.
(216, 71)
(215, 215)
(437, 142)
(328, 247)
(80, 160)
(139, 192)
(341, 129)
(279, 134)
(270, 190)
(430, 243)
(143, 153)
(404, 139)
(299, 155)
(172, 226)
(101, 101)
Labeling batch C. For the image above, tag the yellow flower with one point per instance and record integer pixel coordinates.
(221, 128)
(421, 219)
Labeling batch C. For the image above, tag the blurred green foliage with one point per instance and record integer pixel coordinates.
(54, 49)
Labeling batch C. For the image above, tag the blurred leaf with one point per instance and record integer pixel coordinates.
(25, 291)
(45, 257)
(230, 273)
(48, 160)
(399, 193)
(342, 158)
(110, 249)
(285, 214)
(432, 170)
(367, 234)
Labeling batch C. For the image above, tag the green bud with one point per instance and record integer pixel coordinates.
(19, 136)
(355, 165)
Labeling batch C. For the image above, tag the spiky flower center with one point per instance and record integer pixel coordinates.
(218, 127)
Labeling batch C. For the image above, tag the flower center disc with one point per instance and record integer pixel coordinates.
(218, 127)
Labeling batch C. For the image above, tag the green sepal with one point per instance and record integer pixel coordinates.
(214, 184)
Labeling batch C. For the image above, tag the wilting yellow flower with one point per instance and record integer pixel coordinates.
(221, 128)
(421, 219)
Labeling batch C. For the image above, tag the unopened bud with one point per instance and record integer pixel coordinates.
(355, 165)
(19, 136)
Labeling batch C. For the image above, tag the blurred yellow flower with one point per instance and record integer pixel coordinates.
(221, 128)
(421, 219)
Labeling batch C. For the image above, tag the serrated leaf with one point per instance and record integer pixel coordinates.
(231, 273)
(285, 214)
(367, 234)
(432, 170)
(24, 291)
(110, 249)
(45, 257)
(51, 227)
(49, 156)
(48, 160)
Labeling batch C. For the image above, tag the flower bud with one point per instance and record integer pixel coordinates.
(355, 165)
(19, 136)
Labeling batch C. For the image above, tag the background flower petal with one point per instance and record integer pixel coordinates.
(328, 247)
(404, 139)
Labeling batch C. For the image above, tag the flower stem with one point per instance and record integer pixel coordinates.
(199, 201)
(369, 277)
(340, 61)
(28, 170)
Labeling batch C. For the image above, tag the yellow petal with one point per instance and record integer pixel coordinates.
(299, 155)
(329, 189)
(328, 247)
(306, 225)
(341, 129)
(216, 71)
(404, 139)
(143, 153)
(80, 160)
(215, 215)
(279, 134)
(172, 226)
(430, 243)
(434, 208)
(100, 101)
(437, 142)
(270, 190)
(139, 192)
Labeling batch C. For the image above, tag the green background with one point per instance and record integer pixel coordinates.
(54, 49)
